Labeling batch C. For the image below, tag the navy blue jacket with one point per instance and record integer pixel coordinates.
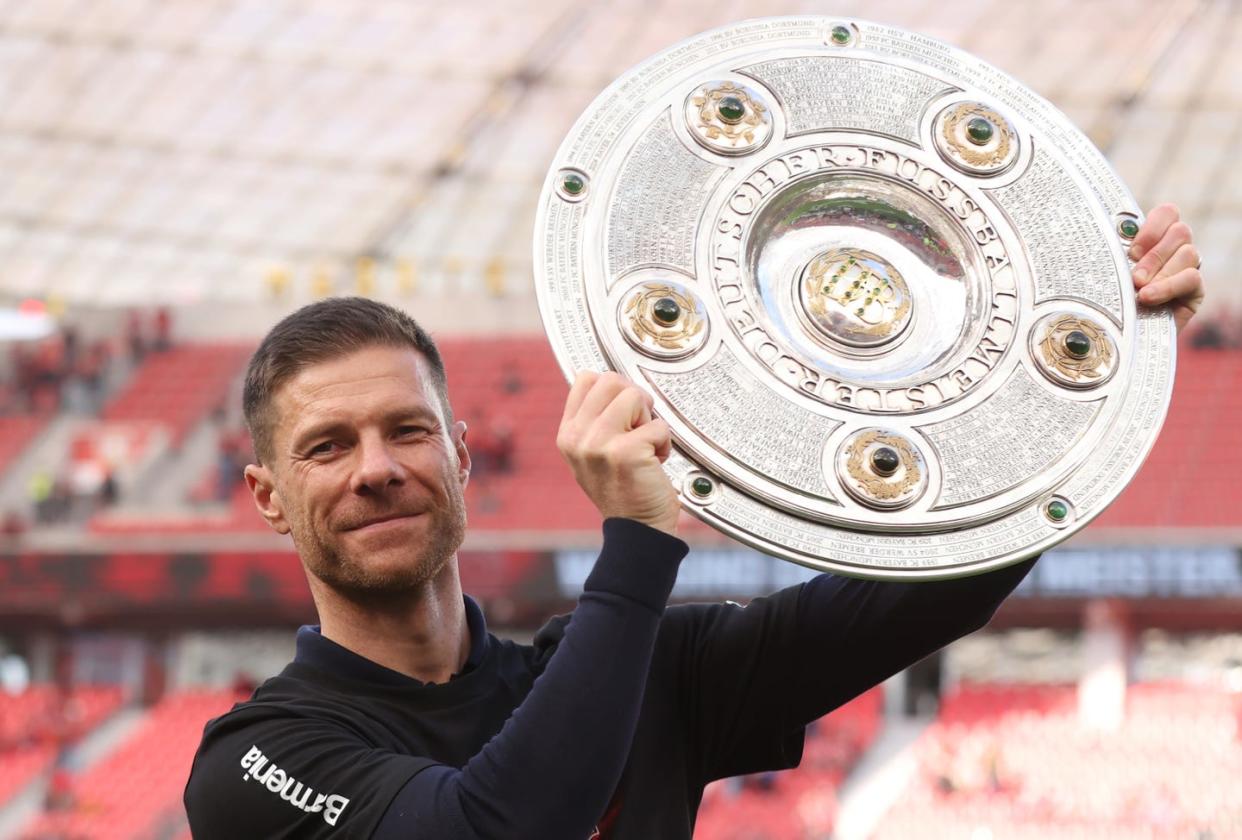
(609, 724)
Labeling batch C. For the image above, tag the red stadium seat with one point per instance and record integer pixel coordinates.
(179, 386)
(1014, 761)
(137, 789)
(797, 803)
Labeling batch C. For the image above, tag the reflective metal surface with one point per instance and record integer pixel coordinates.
(877, 288)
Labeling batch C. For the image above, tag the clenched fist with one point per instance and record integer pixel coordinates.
(615, 448)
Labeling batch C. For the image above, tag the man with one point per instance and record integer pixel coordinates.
(401, 717)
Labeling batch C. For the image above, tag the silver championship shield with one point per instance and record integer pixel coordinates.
(878, 288)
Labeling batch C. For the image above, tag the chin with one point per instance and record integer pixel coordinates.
(389, 558)
(392, 568)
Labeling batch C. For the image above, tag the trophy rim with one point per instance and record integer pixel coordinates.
(602, 356)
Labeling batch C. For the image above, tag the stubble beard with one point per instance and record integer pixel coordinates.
(352, 576)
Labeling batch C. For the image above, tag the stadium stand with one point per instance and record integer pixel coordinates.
(16, 433)
(1014, 761)
(510, 392)
(1191, 486)
(38, 723)
(177, 387)
(136, 790)
(801, 802)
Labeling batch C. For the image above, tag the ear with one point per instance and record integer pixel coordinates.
(458, 435)
(262, 486)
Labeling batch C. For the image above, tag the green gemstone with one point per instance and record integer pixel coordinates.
(701, 486)
(1128, 228)
(885, 460)
(1077, 343)
(979, 130)
(573, 184)
(1057, 510)
(666, 310)
(840, 34)
(731, 108)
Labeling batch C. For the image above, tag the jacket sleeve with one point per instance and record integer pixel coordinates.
(550, 771)
(749, 679)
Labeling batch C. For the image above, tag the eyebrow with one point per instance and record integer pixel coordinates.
(330, 425)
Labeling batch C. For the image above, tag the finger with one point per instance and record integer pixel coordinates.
(664, 447)
(603, 391)
(1187, 256)
(1181, 314)
(628, 410)
(1154, 226)
(1177, 235)
(583, 381)
(657, 435)
(1186, 284)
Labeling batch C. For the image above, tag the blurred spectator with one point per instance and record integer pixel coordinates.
(234, 454)
(108, 490)
(13, 525)
(39, 492)
(134, 336)
(512, 383)
(762, 782)
(60, 790)
(244, 685)
(491, 445)
(50, 364)
(1220, 331)
(38, 370)
(56, 372)
(23, 376)
(91, 370)
(69, 348)
(60, 501)
(163, 329)
(1209, 336)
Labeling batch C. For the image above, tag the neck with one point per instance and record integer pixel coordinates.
(421, 634)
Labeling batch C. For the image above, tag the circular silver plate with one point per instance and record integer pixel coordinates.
(876, 287)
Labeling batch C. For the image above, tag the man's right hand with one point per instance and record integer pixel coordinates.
(615, 448)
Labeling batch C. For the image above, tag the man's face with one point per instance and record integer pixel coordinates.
(365, 473)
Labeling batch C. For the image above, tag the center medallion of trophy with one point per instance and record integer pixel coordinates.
(855, 298)
(864, 277)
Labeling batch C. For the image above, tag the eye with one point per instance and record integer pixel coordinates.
(406, 431)
(324, 448)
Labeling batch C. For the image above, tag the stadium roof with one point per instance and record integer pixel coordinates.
(223, 150)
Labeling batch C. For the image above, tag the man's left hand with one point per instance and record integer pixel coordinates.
(1168, 264)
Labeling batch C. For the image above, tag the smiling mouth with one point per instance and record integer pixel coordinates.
(387, 521)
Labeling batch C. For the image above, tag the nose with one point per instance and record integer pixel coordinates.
(376, 469)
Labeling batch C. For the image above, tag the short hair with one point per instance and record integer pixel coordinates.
(321, 331)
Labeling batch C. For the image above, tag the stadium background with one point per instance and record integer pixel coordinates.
(175, 175)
